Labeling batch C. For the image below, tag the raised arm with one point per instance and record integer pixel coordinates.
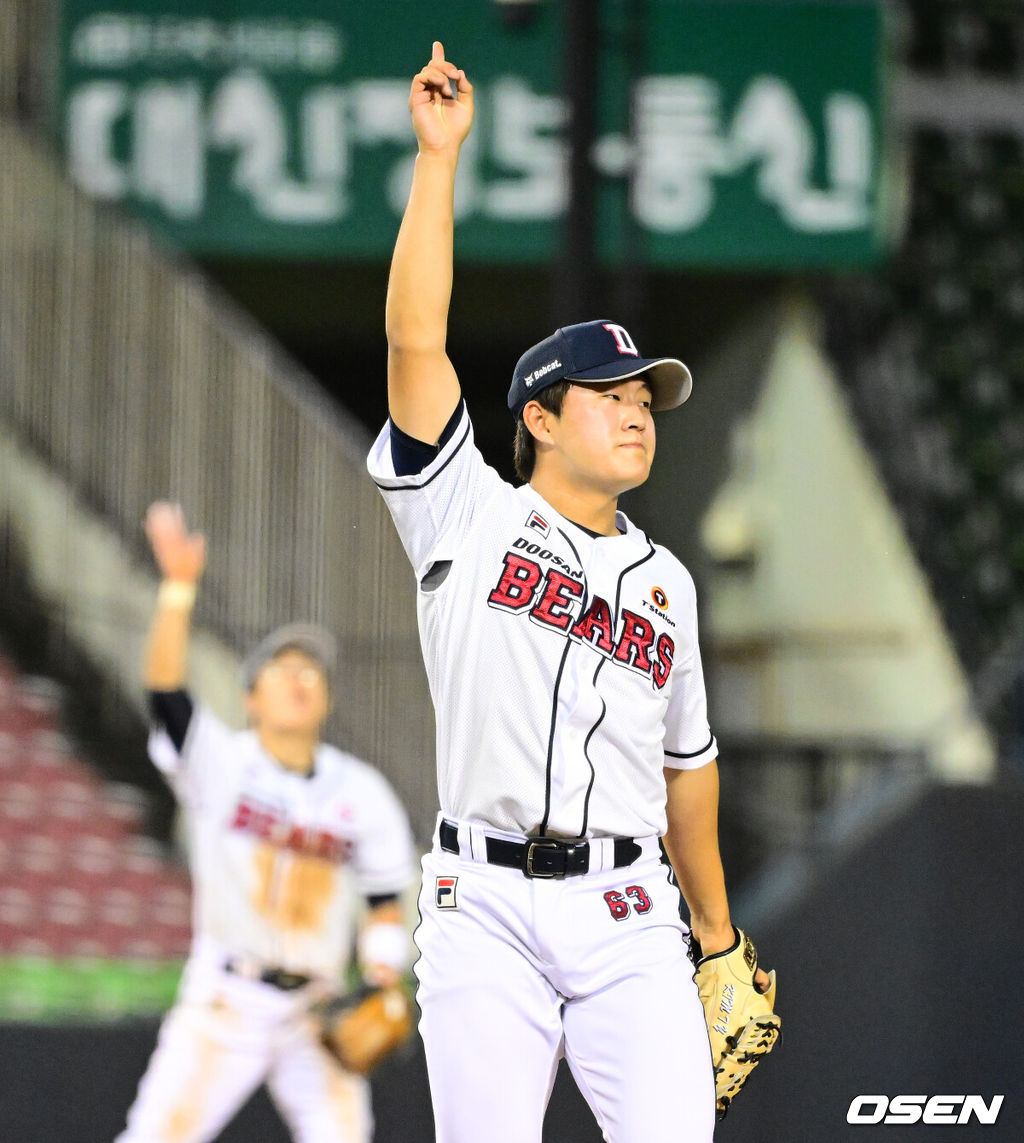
(181, 558)
(423, 389)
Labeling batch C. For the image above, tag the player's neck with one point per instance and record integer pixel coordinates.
(294, 750)
(590, 507)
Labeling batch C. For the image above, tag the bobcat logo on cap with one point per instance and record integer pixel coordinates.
(537, 374)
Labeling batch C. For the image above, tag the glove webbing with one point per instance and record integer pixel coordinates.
(749, 1046)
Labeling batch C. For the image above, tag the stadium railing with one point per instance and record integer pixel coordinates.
(125, 371)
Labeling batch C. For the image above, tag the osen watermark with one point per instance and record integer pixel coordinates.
(904, 1109)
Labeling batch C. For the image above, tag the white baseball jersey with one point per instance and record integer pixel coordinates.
(278, 859)
(563, 666)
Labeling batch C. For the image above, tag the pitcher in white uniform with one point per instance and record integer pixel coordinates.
(286, 835)
(560, 643)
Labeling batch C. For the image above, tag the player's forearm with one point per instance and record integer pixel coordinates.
(165, 663)
(420, 283)
(423, 389)
(702, 883)
(384, 945)
(691, 841)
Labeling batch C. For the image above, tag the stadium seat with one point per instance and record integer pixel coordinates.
(77, 878)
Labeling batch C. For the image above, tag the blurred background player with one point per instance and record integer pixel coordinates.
(285, 834)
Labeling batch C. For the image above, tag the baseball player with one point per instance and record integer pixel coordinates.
(286, 834)
(560, 644)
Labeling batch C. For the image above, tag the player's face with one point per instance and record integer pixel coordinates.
(605, 435)
(290, 694)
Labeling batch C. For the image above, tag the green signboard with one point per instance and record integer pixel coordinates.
(279, 128)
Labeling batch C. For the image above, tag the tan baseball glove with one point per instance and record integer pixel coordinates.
(363, 1027)
(742, 1025)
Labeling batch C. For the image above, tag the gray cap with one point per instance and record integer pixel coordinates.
(316, 642)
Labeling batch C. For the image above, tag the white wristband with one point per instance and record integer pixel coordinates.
(385, 943)
(176, 593)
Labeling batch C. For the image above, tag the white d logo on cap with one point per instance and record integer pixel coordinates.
(622, 339)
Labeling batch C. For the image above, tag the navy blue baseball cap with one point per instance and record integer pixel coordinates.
(596, 351)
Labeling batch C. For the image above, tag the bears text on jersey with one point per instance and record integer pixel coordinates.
(550, 599)
(254, 818)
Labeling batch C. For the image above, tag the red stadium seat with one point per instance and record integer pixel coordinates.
(77, 879)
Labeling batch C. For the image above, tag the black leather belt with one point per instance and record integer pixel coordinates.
(542, 856)
(278, 977)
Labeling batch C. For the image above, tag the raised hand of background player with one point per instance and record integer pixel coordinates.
(180, 555)
(441, 104)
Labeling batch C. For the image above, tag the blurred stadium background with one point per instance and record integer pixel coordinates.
(818, 204)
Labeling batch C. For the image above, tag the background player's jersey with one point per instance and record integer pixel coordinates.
(279, 859)
(564, 667)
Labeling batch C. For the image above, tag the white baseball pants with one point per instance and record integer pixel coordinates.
(515, 972)
(222, 1039)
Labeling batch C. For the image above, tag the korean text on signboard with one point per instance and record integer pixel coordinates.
(284, 132)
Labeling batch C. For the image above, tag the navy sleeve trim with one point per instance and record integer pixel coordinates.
(410, 456)
(173, 711)
(391, 486)
(695, 753)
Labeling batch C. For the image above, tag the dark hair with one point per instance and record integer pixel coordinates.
(525, 446)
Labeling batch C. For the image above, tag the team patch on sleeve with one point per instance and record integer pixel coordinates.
(445, 895)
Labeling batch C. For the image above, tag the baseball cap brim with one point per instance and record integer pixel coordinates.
(670, 380)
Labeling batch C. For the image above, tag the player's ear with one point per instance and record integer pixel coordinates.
(538, 420)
